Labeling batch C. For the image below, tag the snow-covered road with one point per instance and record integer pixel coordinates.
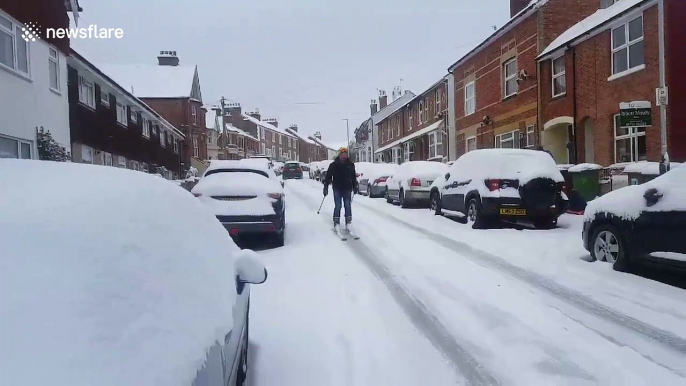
(423, 300)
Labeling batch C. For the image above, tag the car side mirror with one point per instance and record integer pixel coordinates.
(249, 269)
(447, 176)
(652, 196)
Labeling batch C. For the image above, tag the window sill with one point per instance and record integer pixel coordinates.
(92, 108)
(122, 125)
(509, 96)
(56, 91)
(16, 73)
(105, 104)
(559, 96)
(627, 72)
(146, 136)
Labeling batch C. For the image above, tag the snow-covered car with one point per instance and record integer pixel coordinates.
(640, 223)
(372, 183)
(244, 197)
(292, 169)
(411, 182)
(117, 277)
(502, 184)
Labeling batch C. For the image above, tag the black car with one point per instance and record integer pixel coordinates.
(292, 170)
(502, 184)
(640, 224)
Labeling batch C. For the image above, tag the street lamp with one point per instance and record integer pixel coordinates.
(347, 127)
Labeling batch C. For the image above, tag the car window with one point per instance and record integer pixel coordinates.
(216, 171)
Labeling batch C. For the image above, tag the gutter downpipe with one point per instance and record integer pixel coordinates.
(664, 162)
(574, 106)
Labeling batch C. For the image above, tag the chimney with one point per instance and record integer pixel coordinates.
(373, 107)
(517, 6)
(255, 114)
(318, 135)
(397, 93)
(294, 128)
(168, 58)
(383, 99)
(272, 122)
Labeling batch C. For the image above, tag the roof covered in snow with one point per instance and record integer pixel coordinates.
(599, 18)
(266, 125)
(234, 129)
(153, 81)
(393, 107)
(319, 142)
(301, 136)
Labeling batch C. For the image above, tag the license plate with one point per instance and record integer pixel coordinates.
(513, 212)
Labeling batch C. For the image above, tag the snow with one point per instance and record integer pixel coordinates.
(647, 168)
(236, 184)
(589, 24)
(416, 134)
(300, 136)
(374, 171)
(267, 125)
(152, 81)
(393, 107)
(260, 164)
(115, 277)
(628, 202)
(584, 167)
(420, 169)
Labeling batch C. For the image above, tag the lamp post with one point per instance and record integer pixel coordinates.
(347, 128)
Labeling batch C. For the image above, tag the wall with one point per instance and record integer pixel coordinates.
(28, 103)
(675, 14)
(45, 13)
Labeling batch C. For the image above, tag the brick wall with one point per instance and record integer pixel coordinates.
(675, 14)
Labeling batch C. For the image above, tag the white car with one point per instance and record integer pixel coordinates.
(372, 181)
(246, 197)
(411, 182)
(117, 277)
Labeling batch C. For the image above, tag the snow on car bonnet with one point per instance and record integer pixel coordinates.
(628, 202)
(108, 277)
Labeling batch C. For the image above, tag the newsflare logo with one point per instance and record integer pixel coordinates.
(32, 31)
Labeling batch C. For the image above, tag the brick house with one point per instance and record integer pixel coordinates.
(400, 99)
(307, 148)
(322, 150)
(494, 88)
(111, 127)
(274, 142)
(416, 131)
(33, 77)
(606, 59)
(173, 90)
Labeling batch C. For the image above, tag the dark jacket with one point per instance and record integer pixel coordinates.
(342, 175)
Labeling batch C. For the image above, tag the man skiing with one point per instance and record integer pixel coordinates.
(341, 174)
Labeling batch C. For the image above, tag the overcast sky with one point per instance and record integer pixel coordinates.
(309, 62)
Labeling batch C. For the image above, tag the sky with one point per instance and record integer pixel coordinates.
(307, 62)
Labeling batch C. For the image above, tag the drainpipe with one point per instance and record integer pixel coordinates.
(574, 107)
(664, 163)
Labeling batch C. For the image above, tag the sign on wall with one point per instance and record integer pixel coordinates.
(635, 114)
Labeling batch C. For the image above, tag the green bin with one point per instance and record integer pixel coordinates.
(587, 183)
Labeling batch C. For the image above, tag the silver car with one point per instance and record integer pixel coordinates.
(411, 184)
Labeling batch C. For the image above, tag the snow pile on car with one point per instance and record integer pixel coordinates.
(380, 170)
(416, 169)
(583, 167)
(232, 184)
(628, 202)
(108, 277)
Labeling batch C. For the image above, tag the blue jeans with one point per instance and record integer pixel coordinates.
(344, 196)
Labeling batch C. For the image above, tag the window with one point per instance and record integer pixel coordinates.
(106, 158)
(194, 114)
(121, 161)
(389, 129)
(409, 113)
(630, 143)
(510, 76)
(155, 129)
(408, 151)
(397, 156)
(86, 92)
(262, 148)
(471, 144)
(280, 139)
(54, 69)
(627, 46)
(134, 116)
(559, 78)
(104, 98)
(121, 114)
(397, 125)
(507, 140)
(469, 98)
(15, 148)
(209, 139)
(14, 50)
(421, 112)
(146, 128)
(196, 150)
(438, 101)
(176, 145)
(530, 136)
(134, 165)
(86, 155)
(144, 167)
(435, 144)
(163, 138)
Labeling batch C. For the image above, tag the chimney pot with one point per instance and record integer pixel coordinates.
(383, 99)
(373, 107)
(168, 58)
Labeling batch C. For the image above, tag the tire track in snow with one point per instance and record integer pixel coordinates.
(422, 318)
(576, 299)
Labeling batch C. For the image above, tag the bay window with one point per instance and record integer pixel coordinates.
(408, 150)
(435, 144)
(630, 143)
(507, 140)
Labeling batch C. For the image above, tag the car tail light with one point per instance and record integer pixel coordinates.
(382, 179)
(298, 170)
(197, 194)
(415, 182)
(275, 196)
(358, 175)
(233, 231)
(493, 184)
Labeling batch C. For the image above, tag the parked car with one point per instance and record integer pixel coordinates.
(305, 167)
(372, 183)
(156, 284)
(292, 169)
(245, 199)
(488, 185)
(640, 224)
(411, 182)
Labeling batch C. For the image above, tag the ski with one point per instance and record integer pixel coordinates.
(340, 233)
(353, 235)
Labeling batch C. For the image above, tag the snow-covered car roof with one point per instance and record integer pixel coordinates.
(116, 277)
(628, 202)
(516, 164)
(416, 168)
(258, 164)
(379, 170)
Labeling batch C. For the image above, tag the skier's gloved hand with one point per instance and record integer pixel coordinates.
(356, 189)
(326, 190)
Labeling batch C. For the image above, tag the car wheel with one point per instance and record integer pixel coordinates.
(388, 198)
(280, 238)
(435, 204)
(474, 215)
(401, 199)
(608, 245)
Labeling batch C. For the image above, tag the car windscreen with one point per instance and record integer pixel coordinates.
(215, 171)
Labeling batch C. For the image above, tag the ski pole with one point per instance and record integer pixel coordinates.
(320, 206)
